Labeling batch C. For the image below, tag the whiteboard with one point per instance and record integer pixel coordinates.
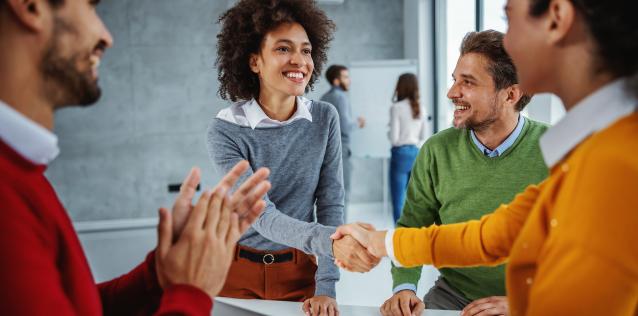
(371, 92)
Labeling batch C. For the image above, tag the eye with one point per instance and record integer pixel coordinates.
(282, 49)
(307, 51)
(468, 83)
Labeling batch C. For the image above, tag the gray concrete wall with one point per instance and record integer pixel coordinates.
(159, 84)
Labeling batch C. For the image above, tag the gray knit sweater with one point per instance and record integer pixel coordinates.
(305, 162)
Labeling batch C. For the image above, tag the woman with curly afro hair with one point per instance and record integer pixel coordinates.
(270, 52)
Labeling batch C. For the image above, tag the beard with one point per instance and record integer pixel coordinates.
(473, 123)
(66, 84)
(343, 86)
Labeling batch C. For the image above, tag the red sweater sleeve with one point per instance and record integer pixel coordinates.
(138, 293)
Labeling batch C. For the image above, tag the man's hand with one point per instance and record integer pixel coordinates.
(354, 256)
(183, 203)
(361, 121)
(493, 305)
(403, 303)
(320, 306)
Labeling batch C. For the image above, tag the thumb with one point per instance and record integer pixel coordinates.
(341, 231)
(366, 226)
(164, 232)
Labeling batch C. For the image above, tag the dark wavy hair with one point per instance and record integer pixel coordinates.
(243, 28)
(334, 72)
(501, 67)
(614, 27)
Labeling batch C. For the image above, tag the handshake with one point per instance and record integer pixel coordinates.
(358, 247)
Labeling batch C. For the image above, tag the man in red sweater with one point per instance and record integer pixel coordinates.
(49, 54)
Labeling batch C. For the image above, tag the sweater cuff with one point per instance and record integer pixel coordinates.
(185, 299)
(150, 274)
(322, 243)
(404, 286)
(389, 247)
(326, 289)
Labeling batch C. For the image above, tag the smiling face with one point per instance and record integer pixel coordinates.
(284, 64)
(71, 59)
(475, 98)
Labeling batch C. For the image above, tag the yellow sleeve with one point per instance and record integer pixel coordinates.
(589, 264)
(479, 242)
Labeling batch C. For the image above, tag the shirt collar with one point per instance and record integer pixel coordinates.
(595, 112)
(255, 114)
(505, 145)
(32, 141)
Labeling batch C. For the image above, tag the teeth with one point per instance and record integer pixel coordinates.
(294, 75)
(95, 61)
(461, 107)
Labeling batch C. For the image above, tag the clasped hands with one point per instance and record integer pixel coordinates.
(358, 247)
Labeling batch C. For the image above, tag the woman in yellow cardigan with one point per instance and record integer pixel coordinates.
(571, 242)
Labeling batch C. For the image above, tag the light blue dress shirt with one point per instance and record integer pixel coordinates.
(506, 144)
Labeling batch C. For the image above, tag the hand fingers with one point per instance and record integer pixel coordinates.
(474, 304)
(306, 307)
(323, 309)
(256, 178)
(366, 226)
(249, 218)
(342, 231)
(234, 174)
(246, 202)
(404, 304)
(164, 233)
(188, 188)
(224, 218)
(314, 308)
(490, 312)
(234, 231)
(214, 208)
(478, 308)
(196, 218)
(418, 309)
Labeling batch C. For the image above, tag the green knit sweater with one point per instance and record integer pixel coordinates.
(452, 181)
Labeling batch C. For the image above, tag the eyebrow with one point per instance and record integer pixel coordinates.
(467, 76)
(287, 41)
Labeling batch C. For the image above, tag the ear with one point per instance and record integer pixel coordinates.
(253, 62)
(561, 17)
(33, 14)
(513, 93)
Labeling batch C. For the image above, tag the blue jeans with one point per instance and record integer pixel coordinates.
(401, 163)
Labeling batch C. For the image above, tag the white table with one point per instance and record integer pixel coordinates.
(237, 307)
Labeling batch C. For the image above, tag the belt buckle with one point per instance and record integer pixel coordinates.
(270, 260)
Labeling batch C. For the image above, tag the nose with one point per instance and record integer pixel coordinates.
(105, 35)
(297, 59)
(454, 92)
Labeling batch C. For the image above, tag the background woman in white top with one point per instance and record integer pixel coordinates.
(407, 130)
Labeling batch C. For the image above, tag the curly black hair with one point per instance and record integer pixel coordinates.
(614, 28)
(244, 27)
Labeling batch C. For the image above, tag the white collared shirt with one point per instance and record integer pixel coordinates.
(249, 113)
(34, 142)
(597, 111)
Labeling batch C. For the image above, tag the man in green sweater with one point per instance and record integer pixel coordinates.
(465, 172)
